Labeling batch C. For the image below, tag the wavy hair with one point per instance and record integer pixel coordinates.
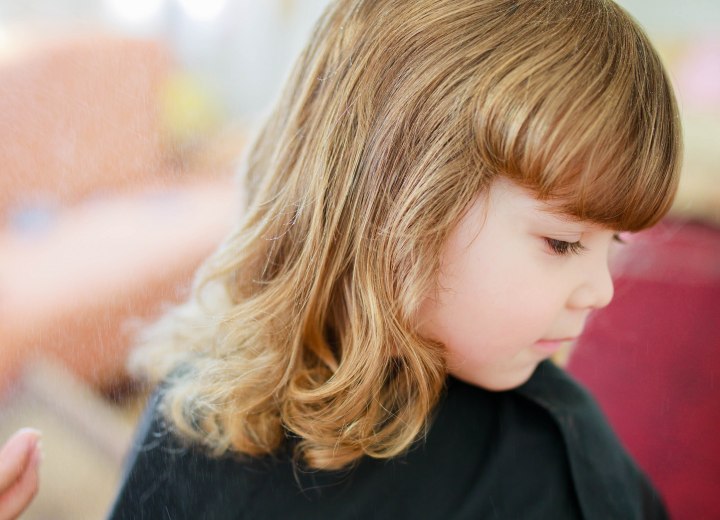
(398, 114)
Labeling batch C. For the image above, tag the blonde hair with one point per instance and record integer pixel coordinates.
(398, 114)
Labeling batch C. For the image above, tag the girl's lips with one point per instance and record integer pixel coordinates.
(551, 345)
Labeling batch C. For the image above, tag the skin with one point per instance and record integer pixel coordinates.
(509, 279)
(19, 463)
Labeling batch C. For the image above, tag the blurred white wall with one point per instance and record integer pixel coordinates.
(676, 19)
(242, 49)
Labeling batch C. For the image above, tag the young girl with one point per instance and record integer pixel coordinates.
(429, 214)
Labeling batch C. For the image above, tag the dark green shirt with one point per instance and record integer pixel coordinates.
(541, 451)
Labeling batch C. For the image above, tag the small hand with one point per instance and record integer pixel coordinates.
(19, 463)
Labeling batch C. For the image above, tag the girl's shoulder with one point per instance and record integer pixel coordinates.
(607, 481)
(164, 477)
(543, 450)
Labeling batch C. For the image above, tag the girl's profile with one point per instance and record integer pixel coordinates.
(429, 212)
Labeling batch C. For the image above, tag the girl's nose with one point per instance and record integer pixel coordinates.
(596, 289)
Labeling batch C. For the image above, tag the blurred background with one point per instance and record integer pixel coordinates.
(121, 125)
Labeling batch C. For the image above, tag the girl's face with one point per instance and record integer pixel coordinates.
(516, 282)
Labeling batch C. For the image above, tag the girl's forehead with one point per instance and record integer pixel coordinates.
(507, 193)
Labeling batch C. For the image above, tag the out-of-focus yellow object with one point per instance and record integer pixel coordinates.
(188, 112)
(562, 357)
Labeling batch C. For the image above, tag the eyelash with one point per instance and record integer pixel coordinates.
(562, 248)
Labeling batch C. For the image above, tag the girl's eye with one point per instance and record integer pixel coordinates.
(560, 247)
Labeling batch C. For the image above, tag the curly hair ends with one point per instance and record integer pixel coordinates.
(396, 117)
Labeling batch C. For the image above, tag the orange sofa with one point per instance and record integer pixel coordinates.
(97, 223)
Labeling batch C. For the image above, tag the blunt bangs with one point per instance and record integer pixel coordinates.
(586, 119)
